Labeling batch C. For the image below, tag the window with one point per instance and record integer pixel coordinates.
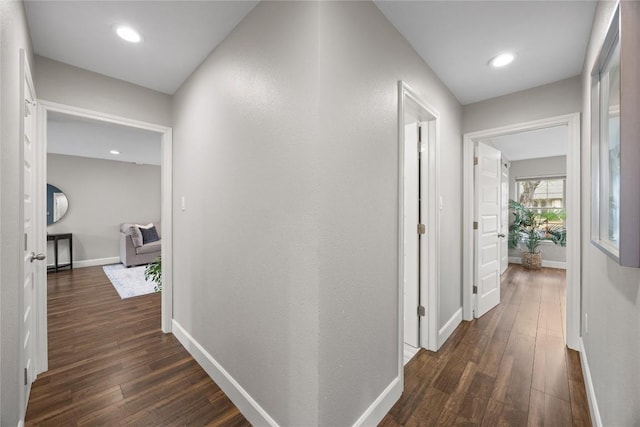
(541, 193)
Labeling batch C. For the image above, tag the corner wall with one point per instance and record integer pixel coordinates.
(14, 36)
(285, 150)
(610, 293)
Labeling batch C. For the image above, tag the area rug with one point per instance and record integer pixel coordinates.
(129, 282)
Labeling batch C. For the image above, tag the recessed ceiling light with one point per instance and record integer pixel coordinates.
(114, 152)
(502, 60)
(128, 34)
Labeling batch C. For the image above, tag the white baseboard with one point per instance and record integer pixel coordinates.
(549, 264)
(251, 410)
(591, 393)
(97, 261)
(381, 406)
(445, 332)
(21, 423)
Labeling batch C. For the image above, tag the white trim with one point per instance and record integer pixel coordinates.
(21, 423)
(596, 420)
(429, 261)
(448, 328)
(44, 107)
(572, 121)
(96, 261)
(381, 406)
(545, 263)
(247, 405)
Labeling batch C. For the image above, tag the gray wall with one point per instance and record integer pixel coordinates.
(65, 84)
(286, 148)
(538, 167)
(610, 293)
(102, 194)
(554, 99)
(362, 57)
(13, 37)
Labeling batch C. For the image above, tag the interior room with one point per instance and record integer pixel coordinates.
(306, 233)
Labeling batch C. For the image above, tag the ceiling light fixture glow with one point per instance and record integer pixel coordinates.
(114, 152)
(502, 60)
(128, 34)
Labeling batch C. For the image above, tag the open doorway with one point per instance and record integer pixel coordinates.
(108, 172)
(419, 219)
(537, 165)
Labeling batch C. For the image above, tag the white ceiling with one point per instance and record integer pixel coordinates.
(177, 36)
(75, 136)
(533, 144)
(458, 38)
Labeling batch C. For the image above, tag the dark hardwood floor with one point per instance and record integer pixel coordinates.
(110, 364)
(510, 367)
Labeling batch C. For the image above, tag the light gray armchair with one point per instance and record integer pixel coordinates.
(132, 250)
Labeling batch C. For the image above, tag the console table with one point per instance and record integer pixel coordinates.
(55, 238)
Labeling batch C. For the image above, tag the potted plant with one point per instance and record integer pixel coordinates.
(153, 272)
(531, 228)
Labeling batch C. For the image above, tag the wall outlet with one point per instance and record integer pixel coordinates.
(586, 323)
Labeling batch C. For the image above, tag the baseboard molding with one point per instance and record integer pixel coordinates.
(21, 423)
(549, 264)
(97, 261)
(591, 393)
(251, 410)
(445, 332)
(381, 406)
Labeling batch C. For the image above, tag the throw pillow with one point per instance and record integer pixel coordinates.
(149, 235)
(136, 236)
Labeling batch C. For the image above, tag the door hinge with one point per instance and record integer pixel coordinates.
(475, 289)
(475, 225)
(422, 229)
(26, 376)
(421, 311)
(475, 161)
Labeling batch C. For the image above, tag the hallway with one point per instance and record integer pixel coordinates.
(509, 367)
(110, 364)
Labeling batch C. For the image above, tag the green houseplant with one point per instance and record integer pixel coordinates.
(530, 228)
(153, 272)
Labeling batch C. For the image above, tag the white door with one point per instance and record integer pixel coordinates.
(504, 217)
(411, 241)
(31, 260)
(487, 214)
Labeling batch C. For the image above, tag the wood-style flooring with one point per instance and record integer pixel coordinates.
(508, 368)
(110, 364)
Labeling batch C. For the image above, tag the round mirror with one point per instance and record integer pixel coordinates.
(57, 204)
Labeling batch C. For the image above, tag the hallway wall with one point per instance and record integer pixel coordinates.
(286, 255)
(13, 37)
(610, 293)
(553, 99)
(59, 82)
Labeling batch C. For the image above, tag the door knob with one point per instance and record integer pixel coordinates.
(501, 235)
(39, 257)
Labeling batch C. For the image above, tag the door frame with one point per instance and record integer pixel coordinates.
(572, 121)
(166, 212)
(429, 258)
